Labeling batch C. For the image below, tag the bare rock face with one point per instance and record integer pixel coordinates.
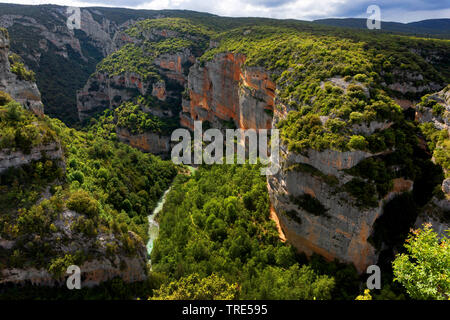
(436, 213)
(411, 82)
(147, 142)
(15, 159)
(172, 65)
(341, 230)
(223, 91)
(103, 91)
(22, 91)
(159, 90)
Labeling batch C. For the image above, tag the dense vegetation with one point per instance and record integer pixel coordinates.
(216, 238)
(139, 57)
(424, 269)
(217, 222)
(342, 79)
(112, 187)
(131, 116)
(18, 131)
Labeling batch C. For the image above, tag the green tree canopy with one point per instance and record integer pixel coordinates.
(425, 269)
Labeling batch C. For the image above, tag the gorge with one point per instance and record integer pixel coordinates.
(364, 151)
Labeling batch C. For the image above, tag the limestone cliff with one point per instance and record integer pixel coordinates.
(101, 267)
(17, 158)
(224, 91)
(342, 229)
(435, 109)
(147, 142)
(106, 91)
(25, 92)
(103, 91)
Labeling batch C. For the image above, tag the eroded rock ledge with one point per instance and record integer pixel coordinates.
(24, 92)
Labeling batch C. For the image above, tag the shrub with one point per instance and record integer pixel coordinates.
(4, 98)
(18, 68)
(77, 176)
(309, 204)
(82, 202)
(356, 117)
(357, 143)
(438, 109)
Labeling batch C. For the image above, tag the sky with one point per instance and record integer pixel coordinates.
(391, 10)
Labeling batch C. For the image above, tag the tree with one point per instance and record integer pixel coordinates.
(357, 143)
(425, 270)
(4, 98)
(295, 283)
(193, 287)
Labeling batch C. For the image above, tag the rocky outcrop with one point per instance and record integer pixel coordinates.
(15, 159)
(436, 213)
(175, 66)
(342, 229)
(224, 91)
(103, 91)
(439, 118)
(24, 92)
(93, 273)
(147, 142)
(411, 83)
(435, 109)
(104, 267)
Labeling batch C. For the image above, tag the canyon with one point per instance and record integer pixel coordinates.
(310, 204)
(224, 92)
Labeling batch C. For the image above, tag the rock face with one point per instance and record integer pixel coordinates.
(14, 159)
(102, 32)
(437, 211)
(411, 83)
(22, 91)
(224, 91)
(440, 120)
(148, 142)
(104, 267)
(342, 231)
(103, 92)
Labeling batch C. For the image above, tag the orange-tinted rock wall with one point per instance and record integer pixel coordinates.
(225, 90)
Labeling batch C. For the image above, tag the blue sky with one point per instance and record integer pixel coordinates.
(391, 10)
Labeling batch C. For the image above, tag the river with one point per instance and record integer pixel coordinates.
(153, 226)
